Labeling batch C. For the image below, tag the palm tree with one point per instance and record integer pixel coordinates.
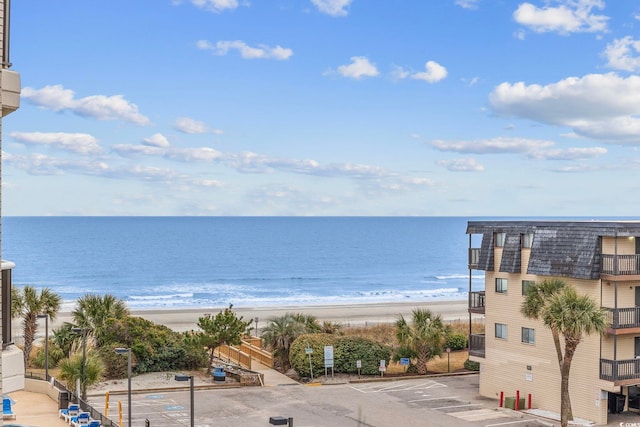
(71, 371)
(93, 311)
(280, 333)
(565, 313)
(423, 339)
(28, 303)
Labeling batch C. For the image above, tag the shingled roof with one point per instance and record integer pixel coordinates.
(560, 248)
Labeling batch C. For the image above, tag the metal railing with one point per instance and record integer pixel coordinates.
(621, 318)
(477, 300)
(620, 265)
(619, 370)
(476, 345)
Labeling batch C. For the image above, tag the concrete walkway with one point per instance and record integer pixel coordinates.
(35, 410)
(271, 376)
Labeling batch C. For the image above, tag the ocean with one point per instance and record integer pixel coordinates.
(193, 262)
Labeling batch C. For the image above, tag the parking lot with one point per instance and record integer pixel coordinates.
(446, 401)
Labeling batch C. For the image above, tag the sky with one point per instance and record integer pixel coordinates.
(324, 107)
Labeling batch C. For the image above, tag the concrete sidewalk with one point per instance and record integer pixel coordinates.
(35, 410)
(271, 376)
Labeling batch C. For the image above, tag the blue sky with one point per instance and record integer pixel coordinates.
(324, 107)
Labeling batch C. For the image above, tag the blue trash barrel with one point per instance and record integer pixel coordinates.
(219, 373)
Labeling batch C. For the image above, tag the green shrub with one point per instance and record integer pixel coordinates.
(115, 365)
(369, 352)
(471, 365)
(346, 351)
(299, 359)
(55, 356)
(156, 348)
(456, 341)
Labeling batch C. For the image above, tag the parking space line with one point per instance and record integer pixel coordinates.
(432, 398)
(507, 423)
(459, 406)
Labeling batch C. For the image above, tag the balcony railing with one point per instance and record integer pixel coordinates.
(621, 265)
(619, 370)
(474, 257)
(621, 318)
(476, 345)
(477, 301)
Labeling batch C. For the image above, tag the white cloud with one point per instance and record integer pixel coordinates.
(569, 16)
(399, 73)
(99, 107)
(491, 146)
(156, 140)
(333, 7)
(80, 143)
(602, 106)
(127, 150)
(623, 54)
(247, 52)
(40, 164)
(216, 6)
(194, 154)
(468, 4)
(360, 67)
(461, 165)
(190, 126)
(434, 73)
(573, 153)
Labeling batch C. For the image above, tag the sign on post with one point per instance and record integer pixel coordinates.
(328, 359)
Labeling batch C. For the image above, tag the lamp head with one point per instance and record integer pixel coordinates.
(183, 377)
(121, 350)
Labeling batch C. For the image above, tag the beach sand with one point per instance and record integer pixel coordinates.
(348, 315)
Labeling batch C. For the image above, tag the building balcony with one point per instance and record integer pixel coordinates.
(620, 267)
(620, 372)
(474, 257)
(623, 321)
(476, 345)
(10, 91)
(476, 302)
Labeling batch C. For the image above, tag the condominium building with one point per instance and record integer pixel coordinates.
(11, 362)
(600, 259)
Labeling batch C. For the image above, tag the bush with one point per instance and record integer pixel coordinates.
(55, 356)
(115, 365)
(471, 365)
(299, 359)
(156, 347)
(346, 351)
(456, 341)
(369, 352)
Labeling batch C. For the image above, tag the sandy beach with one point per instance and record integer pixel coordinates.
(348, 315)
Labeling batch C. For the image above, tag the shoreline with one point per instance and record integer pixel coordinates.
(186, 319)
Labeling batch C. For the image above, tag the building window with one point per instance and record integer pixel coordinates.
(526, 285)
(500, 238)
(528, 335)
(501, 331)
(527, 240)
(501, 286)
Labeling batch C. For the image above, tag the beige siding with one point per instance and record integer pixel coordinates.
(510, 365)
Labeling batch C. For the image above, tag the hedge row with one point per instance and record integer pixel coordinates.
(346, 352)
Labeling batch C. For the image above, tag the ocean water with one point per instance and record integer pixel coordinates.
(193, 262)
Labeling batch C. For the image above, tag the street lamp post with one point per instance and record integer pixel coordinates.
(83, 390)
(190, 379)
(256, 320)
(127, 351)
(46, 344)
